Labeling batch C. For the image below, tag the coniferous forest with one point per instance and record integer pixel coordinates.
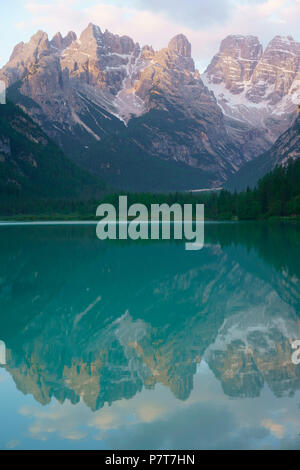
(276, 195)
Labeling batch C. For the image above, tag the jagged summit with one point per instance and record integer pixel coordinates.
(284, 39)
(16, 50)
(283, 44)
(91, 30)
(180, 45)
(239, 40)
(59, 42)
(242, 36)
(57, 37)
(235, 61)
(259, 88)
(38, 36)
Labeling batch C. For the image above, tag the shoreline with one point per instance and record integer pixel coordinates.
(84, 220)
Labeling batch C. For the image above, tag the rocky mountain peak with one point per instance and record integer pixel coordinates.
(276, 71)
(59, 42)
(16, 51)
(118, 45)
(258, 88)
(39, 44)
(281, 47)
(39, 36)
(287, 40)
(71, 36)
(235, 62)
(241, 46)
(148, 52)
(91, 39)
(91, 30)
(180, 45)
(25, 56)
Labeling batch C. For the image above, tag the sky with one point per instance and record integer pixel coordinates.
(153, 22)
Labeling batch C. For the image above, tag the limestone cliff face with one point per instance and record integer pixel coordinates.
(275, 73)
(235, 63)
(258, 90)
(25, 56)
(84, 90)
(99, 59)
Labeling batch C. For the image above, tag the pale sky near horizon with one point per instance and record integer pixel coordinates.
(153, 22)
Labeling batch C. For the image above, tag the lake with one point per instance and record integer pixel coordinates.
(144, 345)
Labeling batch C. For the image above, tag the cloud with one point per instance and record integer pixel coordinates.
(12, 444)
(56, 419)
(193, 13)
(55, 16)
(274, 428)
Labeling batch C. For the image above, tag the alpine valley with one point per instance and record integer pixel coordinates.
(144, 120)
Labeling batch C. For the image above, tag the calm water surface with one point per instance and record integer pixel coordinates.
(111, 345)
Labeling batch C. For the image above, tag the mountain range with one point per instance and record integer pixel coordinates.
(147, 120)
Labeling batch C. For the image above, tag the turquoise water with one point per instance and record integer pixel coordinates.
(112, 345)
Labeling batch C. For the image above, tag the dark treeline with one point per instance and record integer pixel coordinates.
(54, 209)
(276, 195)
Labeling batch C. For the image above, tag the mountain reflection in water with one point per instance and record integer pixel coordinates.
(95, 323)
